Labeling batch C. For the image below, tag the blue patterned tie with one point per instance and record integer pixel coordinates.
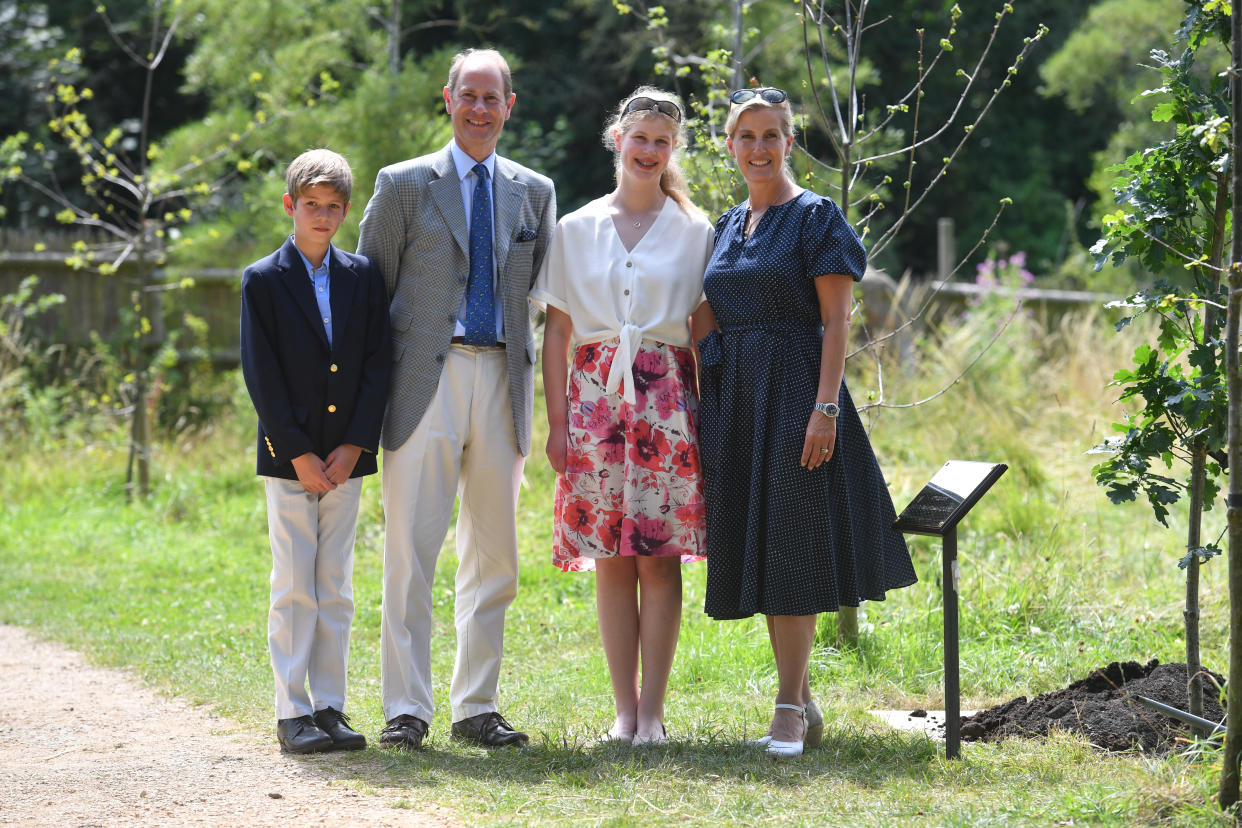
(480, 301)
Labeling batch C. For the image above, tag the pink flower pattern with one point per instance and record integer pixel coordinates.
(632, 483)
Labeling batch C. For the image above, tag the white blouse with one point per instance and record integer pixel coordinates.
(644, 293)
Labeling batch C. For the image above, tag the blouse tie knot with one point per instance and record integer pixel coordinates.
(631, 337)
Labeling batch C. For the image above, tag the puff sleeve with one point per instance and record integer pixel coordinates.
(829, 243)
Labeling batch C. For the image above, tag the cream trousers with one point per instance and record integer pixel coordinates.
(463, 447)
(312, 598)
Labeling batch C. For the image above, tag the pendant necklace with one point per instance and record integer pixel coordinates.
(747, 228)
(637, 223)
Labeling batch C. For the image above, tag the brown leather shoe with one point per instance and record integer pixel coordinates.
(489, 730)
(336, 724)
(301, 735)
(404, 731)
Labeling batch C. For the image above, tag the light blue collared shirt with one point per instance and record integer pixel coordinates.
(323, 293)
(465, 173)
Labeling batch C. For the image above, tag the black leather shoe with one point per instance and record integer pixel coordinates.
(404, 731)
(301, 735)
(336, 724)
(489, 730)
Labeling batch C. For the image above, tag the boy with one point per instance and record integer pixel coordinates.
(316, 356)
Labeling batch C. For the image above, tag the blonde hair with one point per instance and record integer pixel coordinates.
(673, 179)
(318, 167)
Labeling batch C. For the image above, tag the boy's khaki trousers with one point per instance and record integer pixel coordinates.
(312, 598)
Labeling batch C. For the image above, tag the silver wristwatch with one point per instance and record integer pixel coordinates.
(829, 409)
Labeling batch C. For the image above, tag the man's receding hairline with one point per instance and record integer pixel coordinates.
(487, 57)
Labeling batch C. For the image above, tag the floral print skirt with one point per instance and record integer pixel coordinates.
(632, 483)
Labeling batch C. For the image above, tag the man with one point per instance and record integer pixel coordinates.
(458, 236)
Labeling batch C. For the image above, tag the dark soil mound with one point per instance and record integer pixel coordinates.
(1102, 708)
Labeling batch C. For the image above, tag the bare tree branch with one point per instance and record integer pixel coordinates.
(995, 336)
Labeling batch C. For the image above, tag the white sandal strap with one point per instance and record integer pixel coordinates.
(797, 707)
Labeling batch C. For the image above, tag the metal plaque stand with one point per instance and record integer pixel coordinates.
(936, 510)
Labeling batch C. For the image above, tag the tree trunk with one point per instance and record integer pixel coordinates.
(739, 44)
(1233, 721)
(140, 426)
(847, 627)
(1198, 475)
(140, 437)
(1194, 687)
(393, 24)
(1233, 728)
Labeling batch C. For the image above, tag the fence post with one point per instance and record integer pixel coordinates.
(946, 249)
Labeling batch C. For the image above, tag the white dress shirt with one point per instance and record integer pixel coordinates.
(645, 293)
(465, 173)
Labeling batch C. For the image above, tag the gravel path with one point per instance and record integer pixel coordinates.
(85, 746)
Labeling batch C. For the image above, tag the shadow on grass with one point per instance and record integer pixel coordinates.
(864, 758)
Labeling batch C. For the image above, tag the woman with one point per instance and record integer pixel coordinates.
(798, 515)
(620, 280)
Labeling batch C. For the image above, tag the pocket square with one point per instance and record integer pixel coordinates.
(525, 235)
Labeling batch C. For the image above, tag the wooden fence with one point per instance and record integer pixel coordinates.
(93, 302)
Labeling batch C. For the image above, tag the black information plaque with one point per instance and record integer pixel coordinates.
(948, 497)
(936, 510)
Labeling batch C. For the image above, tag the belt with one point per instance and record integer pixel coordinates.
(776, 326)
(461, 340)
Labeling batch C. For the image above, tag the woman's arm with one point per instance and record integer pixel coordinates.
(835, 292)
(557, 332)
(702, 322)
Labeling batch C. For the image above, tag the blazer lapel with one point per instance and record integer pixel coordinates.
(508, 193)
(342, 284)
(298, 283)
(446, 190)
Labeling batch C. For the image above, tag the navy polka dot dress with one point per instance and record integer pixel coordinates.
(781, 539)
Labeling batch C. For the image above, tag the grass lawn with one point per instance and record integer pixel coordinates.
(1055, 582)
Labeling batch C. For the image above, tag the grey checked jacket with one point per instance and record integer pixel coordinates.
(414, 230)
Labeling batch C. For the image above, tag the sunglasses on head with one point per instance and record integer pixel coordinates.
(643, 103)
(770, 94)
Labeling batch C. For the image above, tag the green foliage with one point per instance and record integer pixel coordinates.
(1182, 390)
(1206, 21)
(21, 355)
(870, 157)
(15, 309)
(1099, 66)
(34, 37)
(58, 395)
(175, 587)
(378, 120)
(573, 59)
(1168, 192)
(1202, 553)
(1103, 72)
(1173, 214)
(55, 395)
(132, 198)
(275, 55)
(1028, 148)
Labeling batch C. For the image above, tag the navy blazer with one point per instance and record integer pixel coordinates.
(310, 397)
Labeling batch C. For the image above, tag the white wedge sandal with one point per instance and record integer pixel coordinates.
(788, 750)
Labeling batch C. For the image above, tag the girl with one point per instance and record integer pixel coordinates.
(620, 280)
